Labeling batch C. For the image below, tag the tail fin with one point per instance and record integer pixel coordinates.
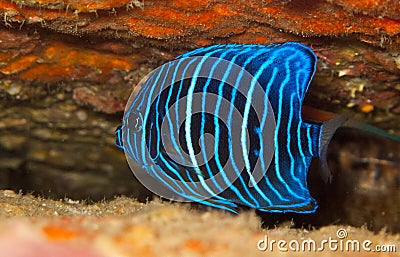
(331, 124)
(328, 130)
(351, 123)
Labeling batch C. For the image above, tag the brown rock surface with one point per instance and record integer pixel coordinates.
(123, 227)
(190, 23)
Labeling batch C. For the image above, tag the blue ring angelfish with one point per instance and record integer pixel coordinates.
(222, 126)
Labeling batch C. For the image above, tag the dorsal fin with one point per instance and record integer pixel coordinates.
(317, 115)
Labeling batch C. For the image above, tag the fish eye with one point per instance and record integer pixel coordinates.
(135, 121)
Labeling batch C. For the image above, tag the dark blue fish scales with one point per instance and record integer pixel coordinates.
(222, 126)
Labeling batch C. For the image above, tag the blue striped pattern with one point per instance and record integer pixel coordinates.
(284, 71)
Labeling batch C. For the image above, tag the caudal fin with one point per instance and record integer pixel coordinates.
(351, 123)
(328, 130)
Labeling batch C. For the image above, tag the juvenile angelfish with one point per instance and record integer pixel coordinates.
(222, 125)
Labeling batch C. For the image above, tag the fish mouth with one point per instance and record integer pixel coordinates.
(118, 137)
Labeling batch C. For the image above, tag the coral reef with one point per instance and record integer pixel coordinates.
(200, 22)
(383, 8)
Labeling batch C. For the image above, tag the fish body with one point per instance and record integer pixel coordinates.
(249, 99)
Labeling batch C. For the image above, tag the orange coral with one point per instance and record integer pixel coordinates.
(196, 245)
(367, 108)
(7, 6)
(56, 232)
(148, 29)
(194, 5)
(321, 18)
(19, 64)
(5, 57)
(58, 60)
(206, 19)
(389, 8)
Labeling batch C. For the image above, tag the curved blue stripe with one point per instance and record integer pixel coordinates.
(278, 127)
(292, 160)
(146, 114)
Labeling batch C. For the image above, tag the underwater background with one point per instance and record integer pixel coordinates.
(67, 69)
